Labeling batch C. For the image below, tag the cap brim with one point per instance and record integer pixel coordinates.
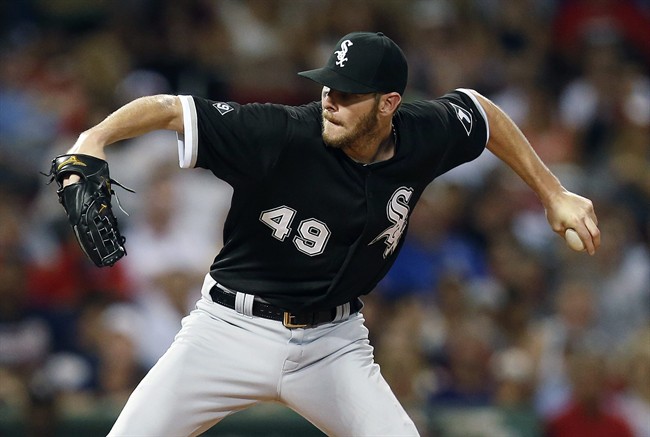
(336, 81)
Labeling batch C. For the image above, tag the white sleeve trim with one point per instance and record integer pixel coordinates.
(188, 141)
(471, 95)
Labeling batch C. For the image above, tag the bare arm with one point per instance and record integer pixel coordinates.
(136, 118)
(563, 209)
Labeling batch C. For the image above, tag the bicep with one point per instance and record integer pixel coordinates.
(502, 127)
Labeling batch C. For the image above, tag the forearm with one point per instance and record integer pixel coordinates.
(509, 144)
(136, 118)
(564, 210)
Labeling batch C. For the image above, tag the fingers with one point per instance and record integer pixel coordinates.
(593, 240)
(72, 179)
(591, 236)
(577, 213)
(588, 232)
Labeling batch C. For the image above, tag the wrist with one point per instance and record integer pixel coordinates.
(90, 143)
(548, 197)
(549, 190)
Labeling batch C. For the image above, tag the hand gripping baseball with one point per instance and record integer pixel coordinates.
(569, 212)
(88, 206)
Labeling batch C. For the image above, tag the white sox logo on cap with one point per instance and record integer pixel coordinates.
(375, 65)
(341, 54)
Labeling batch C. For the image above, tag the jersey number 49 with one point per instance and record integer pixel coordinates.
(312, 234)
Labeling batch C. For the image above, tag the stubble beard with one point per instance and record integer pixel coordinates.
(365, 129)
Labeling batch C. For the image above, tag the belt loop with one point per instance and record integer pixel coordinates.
(244, 303)
(342, 312)
(248, 305)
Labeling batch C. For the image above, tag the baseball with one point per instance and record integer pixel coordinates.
(573, 240)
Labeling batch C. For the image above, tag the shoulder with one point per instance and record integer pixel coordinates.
(304, 121)
(282, 116)
(255, 118)
(447, 103)
(309, 112)
(457, 108)
(232, 108)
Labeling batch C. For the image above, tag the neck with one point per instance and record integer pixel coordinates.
(377, 147)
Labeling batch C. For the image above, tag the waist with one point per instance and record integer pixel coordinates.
(252, 305)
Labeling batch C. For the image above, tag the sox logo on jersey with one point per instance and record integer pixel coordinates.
(464, 117)
(397, 210)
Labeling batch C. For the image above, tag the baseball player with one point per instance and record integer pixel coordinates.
(322, 198)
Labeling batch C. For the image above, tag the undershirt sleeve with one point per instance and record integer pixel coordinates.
(188, 141)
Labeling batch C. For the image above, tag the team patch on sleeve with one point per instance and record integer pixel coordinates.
(222, 107)
(464, 116)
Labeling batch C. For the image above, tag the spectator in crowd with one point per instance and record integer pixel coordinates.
(634, 401)
(513, 371)
(581, 22)
(465, 381)
(586, 414)
(573, 325)
(25, 338)
(619, 277)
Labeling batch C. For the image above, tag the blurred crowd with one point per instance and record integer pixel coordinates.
(485, 307)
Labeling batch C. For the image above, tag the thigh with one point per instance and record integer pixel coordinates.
(214, 367)
(343, 392)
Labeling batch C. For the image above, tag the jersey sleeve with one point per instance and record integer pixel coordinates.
(468, 130)
(453, 129)
(238, 143)
(476, 109)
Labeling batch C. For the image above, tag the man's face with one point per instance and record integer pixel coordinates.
(348, 118)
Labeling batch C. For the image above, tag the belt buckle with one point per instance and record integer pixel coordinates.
(287, 321)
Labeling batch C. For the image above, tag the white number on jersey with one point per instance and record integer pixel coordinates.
(313, 237)
(312, 234)
(278, 219)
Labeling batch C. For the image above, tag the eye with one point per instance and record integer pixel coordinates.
(345, 97)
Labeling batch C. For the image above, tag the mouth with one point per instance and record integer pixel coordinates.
(331, 120)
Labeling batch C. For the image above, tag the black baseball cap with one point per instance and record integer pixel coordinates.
(363, 62)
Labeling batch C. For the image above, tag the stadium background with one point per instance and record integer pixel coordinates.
(487, 326)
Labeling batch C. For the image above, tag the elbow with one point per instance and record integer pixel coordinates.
(172, 108)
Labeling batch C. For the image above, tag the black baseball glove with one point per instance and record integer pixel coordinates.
(88, 206)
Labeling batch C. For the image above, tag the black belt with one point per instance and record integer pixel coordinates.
(290, 320)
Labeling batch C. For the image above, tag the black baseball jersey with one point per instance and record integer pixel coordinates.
(309, 228)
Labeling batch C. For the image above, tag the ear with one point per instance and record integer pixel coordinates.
(389, 103)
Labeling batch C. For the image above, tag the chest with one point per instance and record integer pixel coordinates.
(323, 196)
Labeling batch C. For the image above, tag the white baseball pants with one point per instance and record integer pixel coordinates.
(222, 361)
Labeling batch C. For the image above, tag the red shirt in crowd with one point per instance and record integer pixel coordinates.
(576, 421)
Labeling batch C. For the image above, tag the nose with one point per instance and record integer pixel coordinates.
(327, 101)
